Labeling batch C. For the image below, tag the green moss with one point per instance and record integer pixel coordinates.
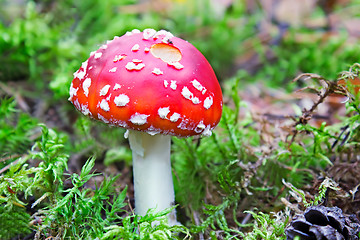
(15, 222)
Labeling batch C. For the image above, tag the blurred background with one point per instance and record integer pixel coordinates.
(256, 47)
(268, 40)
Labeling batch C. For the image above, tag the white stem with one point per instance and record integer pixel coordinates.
(152, 172)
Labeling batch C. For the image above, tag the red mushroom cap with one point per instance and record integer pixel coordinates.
(149, 81)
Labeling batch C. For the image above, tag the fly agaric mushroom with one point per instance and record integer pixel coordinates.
(156, 86)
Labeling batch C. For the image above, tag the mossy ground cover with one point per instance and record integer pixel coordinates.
(288, 137)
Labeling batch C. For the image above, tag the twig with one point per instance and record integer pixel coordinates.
(4, 169)
(330, 88)
(19, 99)
(9, 157)
(15, 203)
(245, 220)
(129, 204)
(197, 223)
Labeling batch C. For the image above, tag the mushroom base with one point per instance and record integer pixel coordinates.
(153, 181)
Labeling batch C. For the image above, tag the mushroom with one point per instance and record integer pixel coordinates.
(156, 86)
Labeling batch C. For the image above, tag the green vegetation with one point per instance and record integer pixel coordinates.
(68, 177)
